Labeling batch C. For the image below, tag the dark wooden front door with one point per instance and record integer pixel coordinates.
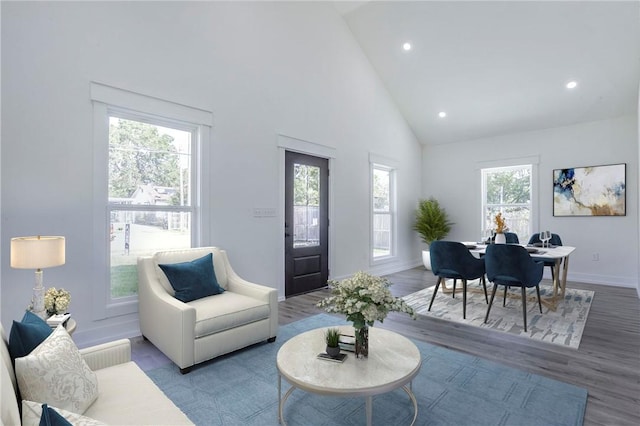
(306, 223)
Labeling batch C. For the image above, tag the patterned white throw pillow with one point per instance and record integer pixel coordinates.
(32, 411)
(55, 373)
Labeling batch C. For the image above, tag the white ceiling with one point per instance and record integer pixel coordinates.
(501, 67)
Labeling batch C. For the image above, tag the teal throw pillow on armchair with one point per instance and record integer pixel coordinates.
(27, 334)
(193, 280)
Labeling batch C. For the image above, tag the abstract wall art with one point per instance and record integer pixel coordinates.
(590, 191)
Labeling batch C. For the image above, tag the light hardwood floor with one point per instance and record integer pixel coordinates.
(607, 362)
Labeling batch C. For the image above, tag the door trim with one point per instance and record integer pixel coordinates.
(288, 143)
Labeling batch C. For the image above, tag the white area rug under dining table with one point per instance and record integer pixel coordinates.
(564, 326)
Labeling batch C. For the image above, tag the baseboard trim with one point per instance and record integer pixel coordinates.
(97, 335)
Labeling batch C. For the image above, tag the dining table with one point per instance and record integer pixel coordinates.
(559, 254)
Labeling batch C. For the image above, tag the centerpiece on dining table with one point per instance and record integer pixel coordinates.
(501, 228)
(364, 299)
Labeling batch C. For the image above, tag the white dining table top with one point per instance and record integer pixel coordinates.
(554, 252)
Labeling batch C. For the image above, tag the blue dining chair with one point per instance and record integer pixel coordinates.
(451, 259)
(510, 237)
(555, 240)
(511, 266)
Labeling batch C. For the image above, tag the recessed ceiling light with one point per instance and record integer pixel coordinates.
(442, 114)
(406, 46)
(572, 85)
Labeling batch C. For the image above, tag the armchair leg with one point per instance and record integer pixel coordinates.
(271, 339)
(539, 303)
(433, 296)
(493, 293)
(524, 307)
(453, 294)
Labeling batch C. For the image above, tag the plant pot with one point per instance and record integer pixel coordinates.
(426, 259)
(333, 352)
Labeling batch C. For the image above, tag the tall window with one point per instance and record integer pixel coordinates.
(150, 185)
(508, 190)
(147, 184)
(383, 212)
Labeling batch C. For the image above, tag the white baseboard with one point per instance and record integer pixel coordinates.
(97, 335)
(600, 279)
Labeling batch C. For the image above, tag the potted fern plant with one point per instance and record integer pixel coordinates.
(432, 223)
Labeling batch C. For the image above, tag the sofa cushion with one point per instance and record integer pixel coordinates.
(27, 334)
(9, 412)
(32, 413)
(192, 280)
(129, 397)
(186, 255)
(55, 373)
(226, 311)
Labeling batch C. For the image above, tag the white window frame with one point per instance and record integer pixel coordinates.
(387, 164)
(110, 101)
(510, 163)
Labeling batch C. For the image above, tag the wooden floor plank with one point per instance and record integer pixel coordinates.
(607, 363)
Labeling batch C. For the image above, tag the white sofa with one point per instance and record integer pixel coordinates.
(197, 331)
(126, 395)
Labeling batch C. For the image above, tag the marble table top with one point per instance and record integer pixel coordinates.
(393, 362)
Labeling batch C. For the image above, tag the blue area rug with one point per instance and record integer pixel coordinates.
(452, 389)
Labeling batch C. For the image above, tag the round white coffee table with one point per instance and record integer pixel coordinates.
(393, 362)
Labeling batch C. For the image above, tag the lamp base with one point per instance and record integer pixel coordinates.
(37, 301)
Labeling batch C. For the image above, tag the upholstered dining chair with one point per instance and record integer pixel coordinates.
(555, 240)
(451, 259)
(511, 266)
(512, 238)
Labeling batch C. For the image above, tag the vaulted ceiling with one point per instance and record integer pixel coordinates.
(501, 67)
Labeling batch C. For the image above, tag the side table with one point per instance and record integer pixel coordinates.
(71, 326)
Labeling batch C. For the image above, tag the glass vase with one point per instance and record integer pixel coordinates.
(362, 342)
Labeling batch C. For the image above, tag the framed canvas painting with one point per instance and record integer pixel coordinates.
(590, 191)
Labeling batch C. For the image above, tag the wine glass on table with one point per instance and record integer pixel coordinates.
(545, 236)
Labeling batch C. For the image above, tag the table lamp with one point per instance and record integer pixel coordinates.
(37, 253)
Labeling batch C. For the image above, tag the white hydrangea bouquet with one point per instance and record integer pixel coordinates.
(56, 301)
(364, 299)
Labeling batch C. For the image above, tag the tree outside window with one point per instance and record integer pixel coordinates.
(508, 190)
(149, 195)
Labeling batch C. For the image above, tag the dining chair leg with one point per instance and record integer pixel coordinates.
(504, 297)
(464, 298)
(539, 303)
(435, 290)
(493, 293)
(484, 286)
(524, 307)
(454, 288)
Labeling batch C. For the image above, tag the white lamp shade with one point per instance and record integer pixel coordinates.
(37, 252)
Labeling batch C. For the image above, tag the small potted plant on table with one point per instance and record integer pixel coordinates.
(332, 337)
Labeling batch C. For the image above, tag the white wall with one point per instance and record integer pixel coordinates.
(262, 68)
(451, 174)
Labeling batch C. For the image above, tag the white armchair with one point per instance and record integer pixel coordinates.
(193, 332)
